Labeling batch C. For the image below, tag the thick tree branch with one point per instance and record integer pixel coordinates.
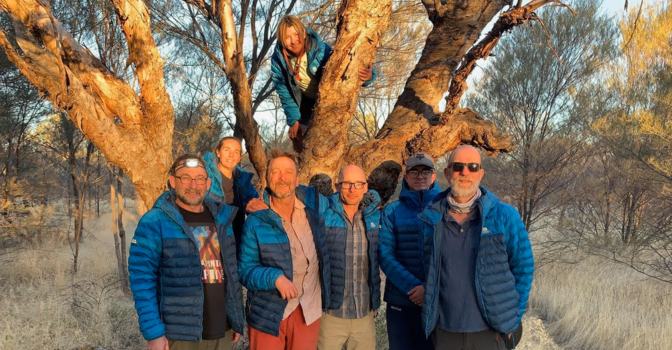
(116, 97)
(506, 22)
(466, 127)
(360, 26)
(134, 18)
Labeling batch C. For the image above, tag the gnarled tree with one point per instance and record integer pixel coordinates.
(132, 126)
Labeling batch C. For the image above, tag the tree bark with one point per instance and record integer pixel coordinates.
(115, 230)
(360, 25)
(133, 131)
(457, 26)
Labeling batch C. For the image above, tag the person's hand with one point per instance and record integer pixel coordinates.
(255, 204)
(510, 336)
(365, 73)
(286, 288)
(158, 344)
(294, 130)
(235, 337)
(417, 294)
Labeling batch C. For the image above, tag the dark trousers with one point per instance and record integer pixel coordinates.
(306, 111)
(484, 340)
(404, 328)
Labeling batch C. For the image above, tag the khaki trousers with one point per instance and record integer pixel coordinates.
(205, 344)
(355, 334)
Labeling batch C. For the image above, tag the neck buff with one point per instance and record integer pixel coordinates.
(464, 208)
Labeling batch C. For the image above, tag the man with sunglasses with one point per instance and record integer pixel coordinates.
(183, 268)
(401, 255)
(479, 262)
(352, 223)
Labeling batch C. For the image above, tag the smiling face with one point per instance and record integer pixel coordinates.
(229, 154)
(282, 178)
(294, 40)
(463, 184)
(187, 190)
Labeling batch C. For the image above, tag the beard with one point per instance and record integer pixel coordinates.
(183, 198)
(289, 192)
(458, 191)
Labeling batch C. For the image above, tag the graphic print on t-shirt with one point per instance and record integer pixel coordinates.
(208, 247)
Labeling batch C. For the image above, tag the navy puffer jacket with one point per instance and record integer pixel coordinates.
(337, 230)
(504, 263)
(401, 243)
(165, 272)
(266, 255)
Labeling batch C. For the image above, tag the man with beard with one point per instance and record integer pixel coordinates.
(479, 262)
(183, 268)
(284, 262)
(353, 222)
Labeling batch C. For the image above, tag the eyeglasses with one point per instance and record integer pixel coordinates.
(458, 167)
(186, 179)
(413, 174)
(348, 185)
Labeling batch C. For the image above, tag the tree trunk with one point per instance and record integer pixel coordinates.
(409, 127)
(122, 231)
(115, 230)
(133, 131)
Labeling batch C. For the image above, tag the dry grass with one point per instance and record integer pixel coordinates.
(42, 306)
(591, 305)
(596, 304)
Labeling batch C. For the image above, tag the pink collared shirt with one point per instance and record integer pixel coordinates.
(305, 265)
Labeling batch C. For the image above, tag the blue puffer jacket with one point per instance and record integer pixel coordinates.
(337, 230)
(243, 190)
(504, 264)
(283, 78)
(165, 272)
(266, 255)
(401, 244)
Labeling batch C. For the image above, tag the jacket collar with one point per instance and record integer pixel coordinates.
(438, 206)
(418, 199)
(305, 194)
(369, 204)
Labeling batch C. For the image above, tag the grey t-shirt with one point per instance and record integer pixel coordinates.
(227, 188)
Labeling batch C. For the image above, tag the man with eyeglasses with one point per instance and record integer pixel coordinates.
(183, 268)
(479, 261)
(353, 222)
(401, 251)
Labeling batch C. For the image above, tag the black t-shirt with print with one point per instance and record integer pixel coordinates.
(214, 285)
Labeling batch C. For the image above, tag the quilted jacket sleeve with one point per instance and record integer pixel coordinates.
(252, 274)
(143, 264)
(281, 84)
(521, 260)
(394, 271)
(249, 193)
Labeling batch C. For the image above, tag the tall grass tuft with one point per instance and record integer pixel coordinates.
(596, 304)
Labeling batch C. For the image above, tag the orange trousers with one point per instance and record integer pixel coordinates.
(295, 334)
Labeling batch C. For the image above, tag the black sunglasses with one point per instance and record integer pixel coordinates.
(458, 167)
